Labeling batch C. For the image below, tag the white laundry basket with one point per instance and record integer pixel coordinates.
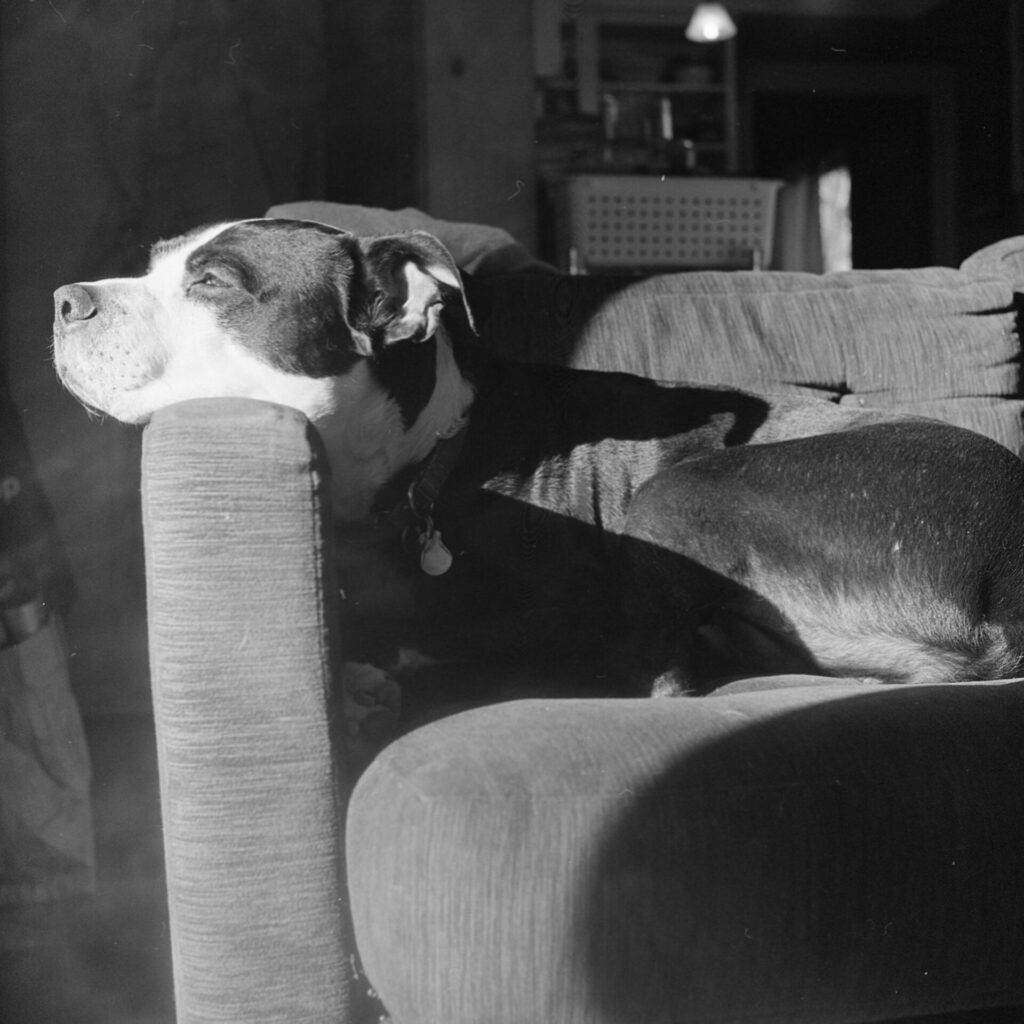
(647, 222)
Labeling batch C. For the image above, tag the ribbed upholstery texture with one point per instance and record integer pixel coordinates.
(814, 855)
(935, 342)
(241, 661)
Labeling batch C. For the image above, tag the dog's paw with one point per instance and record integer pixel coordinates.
(672, 683)
(371, 703)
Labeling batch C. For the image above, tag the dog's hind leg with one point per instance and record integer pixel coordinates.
(690, 626)
(895, 553)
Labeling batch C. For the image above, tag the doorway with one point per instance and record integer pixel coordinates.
(893, 132)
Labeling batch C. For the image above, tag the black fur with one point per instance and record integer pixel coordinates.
(613, 532)
(323, 285)
(566, 570)
(307, 277)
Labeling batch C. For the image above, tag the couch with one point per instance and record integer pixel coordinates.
(790, 850)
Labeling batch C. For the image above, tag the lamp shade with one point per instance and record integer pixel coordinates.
(710, 24)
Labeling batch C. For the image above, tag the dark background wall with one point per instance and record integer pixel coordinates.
(892, 98)
(125, 122)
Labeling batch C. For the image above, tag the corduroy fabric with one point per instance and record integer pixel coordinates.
(816, 855)
(935, 342)
(241, 657)
(1004, 258)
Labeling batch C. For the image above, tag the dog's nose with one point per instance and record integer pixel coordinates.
(73, 302)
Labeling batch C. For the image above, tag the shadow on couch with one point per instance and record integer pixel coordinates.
(851, 853)
(811, 852)
(495, 859)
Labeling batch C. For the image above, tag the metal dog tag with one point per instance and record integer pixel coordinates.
(435, 558)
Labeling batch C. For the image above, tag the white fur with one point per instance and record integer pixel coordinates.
(367, 441)
(906, 635)
(151, 346)
(422, 307)
(157, 347)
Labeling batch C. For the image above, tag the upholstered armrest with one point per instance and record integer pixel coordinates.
(820, 854)
(241, 654)
(816, 855)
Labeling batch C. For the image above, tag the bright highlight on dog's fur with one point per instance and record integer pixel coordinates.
(705, 532)
(166, 337)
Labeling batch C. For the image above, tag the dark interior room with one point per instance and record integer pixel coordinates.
(127, 121)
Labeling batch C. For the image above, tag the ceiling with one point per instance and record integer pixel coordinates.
(837, 8)
(904, 9)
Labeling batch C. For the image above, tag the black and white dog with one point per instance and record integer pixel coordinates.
(533, 519)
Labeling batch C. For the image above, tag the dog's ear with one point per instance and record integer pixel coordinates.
(410, 279)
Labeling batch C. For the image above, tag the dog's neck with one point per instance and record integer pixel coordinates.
(367, 441)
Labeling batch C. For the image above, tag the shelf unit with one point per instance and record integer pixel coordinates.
(626, 92)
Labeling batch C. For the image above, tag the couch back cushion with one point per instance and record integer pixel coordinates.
(935, 341)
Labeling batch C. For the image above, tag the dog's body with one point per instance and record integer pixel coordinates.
(523, 516)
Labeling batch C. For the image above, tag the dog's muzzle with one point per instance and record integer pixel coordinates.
(73, 305)
(99, 351)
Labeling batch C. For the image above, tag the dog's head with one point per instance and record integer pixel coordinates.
(273, 309)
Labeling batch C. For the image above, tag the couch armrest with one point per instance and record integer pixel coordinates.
(814, 855)
(242, 651)
(1004, 258)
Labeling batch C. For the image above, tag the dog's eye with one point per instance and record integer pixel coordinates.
(211, 280)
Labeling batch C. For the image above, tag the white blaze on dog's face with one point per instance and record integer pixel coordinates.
(262, 309)
(291, 312)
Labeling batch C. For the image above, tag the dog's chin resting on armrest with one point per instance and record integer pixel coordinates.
(595, 533)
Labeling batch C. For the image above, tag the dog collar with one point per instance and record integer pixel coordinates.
(413, 515)
(425, 488)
